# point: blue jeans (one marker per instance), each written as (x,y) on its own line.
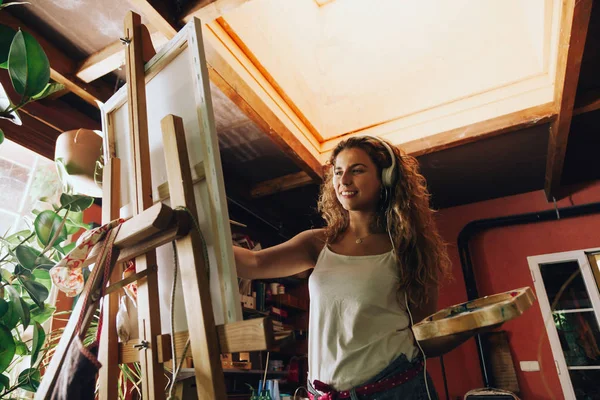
(414,389)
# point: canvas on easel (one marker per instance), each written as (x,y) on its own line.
(177,83)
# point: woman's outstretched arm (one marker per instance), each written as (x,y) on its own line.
(290,258)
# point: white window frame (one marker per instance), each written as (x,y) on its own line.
(590,283)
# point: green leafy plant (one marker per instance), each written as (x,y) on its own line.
(26,258)
(27,65)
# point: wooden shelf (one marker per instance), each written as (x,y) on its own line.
(254,311)
(287,300)
(186,373)
(252,371)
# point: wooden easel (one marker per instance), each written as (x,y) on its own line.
(152,226)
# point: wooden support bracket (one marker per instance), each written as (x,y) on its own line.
(251,335)
(154,227)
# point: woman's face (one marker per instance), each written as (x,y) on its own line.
(356,181)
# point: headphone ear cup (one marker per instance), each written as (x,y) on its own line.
(388,174)
(387,177)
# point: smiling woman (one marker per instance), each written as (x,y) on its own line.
(375,265)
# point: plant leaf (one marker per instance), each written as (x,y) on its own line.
(26,256)
(30,258)
(1,136)
(39,337)
(41,315)
(28,65)
(21,271)
(48,90)
(42,276)
(29,379)
(18,237)
(4,382)
(3,308)
(76,202)
(6,37)
(19,305)
(6,275)
(46,224)
(63,175)
(11,318)
(75,222)
(7,348)
(38,292)
(21,349)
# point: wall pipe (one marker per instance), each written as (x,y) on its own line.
(477,226)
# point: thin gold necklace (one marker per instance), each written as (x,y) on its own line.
(360,240)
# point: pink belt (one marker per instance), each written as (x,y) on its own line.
(379,386)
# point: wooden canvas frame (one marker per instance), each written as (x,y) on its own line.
(193,103)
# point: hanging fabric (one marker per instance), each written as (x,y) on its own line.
(77,376)
(67,275)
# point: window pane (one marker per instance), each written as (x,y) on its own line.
(585,384)
(7,222)
(13,181)
(579,337)
(44,183)
(575,295)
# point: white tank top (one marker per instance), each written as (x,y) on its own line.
(357,325)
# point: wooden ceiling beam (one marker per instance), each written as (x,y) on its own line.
(281,184)
(43,121)
(480,130)
(574,27)
(54,113)
(587,102)
(33,134)
(62,68)
(110,58)
(209,10)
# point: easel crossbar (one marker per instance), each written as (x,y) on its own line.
(152,228)
(251,335)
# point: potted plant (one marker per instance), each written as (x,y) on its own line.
(78,158)
(28,68)
(25,259)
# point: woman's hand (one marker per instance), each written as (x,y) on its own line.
(438,346)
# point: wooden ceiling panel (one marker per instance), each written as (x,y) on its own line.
(354,67)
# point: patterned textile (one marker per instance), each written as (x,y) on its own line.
(67,275)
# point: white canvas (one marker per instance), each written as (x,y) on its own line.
(179,85)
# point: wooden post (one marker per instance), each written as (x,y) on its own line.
(210,382)
(108,353)
(153,382)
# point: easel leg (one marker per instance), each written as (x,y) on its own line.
(153,382)
(210,382)
(109,342)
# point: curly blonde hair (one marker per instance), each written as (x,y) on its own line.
(403,211)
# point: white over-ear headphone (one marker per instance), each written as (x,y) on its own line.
(388,175)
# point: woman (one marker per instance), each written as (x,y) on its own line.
(379,253)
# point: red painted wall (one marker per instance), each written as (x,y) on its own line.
(500,262)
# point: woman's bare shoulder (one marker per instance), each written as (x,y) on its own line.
(314,240)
